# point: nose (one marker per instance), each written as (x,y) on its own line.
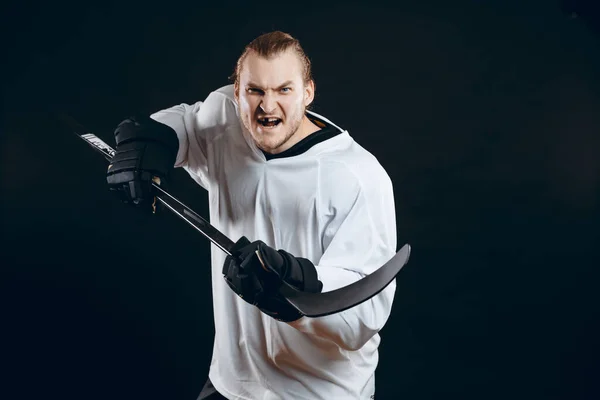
(268,103)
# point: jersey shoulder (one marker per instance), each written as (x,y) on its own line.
(352,180)
(217,114)
(352,163)
(220,102)
(227,92)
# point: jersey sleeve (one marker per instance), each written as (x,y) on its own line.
(358,238)
(196,126)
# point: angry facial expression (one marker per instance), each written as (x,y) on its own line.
(272,97)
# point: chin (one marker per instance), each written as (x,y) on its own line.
(269,138)
(272,144)
(272,140)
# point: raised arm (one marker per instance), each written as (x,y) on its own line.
(178,136)
(196,125)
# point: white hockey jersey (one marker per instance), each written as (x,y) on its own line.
(334,205)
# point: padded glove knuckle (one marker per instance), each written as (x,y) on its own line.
(145,149)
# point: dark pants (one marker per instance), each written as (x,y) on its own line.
(209,392)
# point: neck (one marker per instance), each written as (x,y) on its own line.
(307,127)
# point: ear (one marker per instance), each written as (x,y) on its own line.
(309,93)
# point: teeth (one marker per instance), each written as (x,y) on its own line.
(269,120)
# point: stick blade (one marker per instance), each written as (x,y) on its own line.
(327,303)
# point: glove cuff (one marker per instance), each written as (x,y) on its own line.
(300,273)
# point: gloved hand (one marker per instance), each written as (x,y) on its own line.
(145,151)
(257,284)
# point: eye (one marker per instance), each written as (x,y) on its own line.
(254,90)
(286,89)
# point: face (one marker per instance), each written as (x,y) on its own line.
(272,99)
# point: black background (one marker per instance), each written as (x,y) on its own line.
(486,115)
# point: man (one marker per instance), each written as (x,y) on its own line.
(311,206)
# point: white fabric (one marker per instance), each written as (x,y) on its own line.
(332,204)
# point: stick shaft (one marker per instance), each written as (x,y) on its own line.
(168,200)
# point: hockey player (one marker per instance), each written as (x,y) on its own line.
(312,208)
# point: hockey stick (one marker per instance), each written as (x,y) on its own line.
(308,304)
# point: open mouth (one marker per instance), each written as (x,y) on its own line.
(269,122)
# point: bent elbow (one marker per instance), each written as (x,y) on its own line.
(364,331)
(352,329)
(369,319)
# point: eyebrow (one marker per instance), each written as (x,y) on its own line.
(284,84)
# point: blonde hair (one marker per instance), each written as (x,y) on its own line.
(271,44)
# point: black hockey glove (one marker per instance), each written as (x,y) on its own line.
(258,284)
(146,150)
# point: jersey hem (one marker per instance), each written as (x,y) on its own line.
(230,396)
